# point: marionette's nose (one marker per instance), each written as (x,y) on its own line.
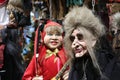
(53,36)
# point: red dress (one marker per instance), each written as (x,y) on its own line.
(47,67)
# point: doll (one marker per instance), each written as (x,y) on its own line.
(51,54)
(83,30)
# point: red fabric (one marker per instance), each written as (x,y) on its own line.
(2,2)
(47,67)
(35,48)
(1,55)
(114,0)
(51,23)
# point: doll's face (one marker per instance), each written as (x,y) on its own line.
(78,44)
(53,38)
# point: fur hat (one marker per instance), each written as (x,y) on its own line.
(81,17)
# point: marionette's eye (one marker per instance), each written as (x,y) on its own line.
(58,34)
(72,38)
(50,34)
(80,36)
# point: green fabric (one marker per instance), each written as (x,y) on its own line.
(74,2)
(78,2)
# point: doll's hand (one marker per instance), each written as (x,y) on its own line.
(38,78)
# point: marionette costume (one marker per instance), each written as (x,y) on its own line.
(84,68)
(48,63)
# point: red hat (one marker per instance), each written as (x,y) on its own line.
(49,23)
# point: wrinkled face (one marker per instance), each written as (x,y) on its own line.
(53,39)
(78,44)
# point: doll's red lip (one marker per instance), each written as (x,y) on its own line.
(54,43)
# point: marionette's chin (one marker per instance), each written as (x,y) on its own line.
(80,54)
(51,48)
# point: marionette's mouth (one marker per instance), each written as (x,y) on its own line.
(78,50)
(54,42)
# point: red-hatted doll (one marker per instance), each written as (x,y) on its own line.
(51,54)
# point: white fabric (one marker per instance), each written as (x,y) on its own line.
(4,17)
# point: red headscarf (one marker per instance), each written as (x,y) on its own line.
(42,48)
(49,23)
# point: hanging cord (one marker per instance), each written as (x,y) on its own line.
(36,46)
(37,43)
(93,6)
(50,9)
(35,51)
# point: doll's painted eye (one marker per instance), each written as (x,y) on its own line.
(58,34)
(50,34)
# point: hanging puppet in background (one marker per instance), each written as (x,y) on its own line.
(40,9)
(4,16)
(82,44)
(115,31)
(13,65)
(114,16)
(19,12)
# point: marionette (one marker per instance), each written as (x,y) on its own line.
(19,12)
(82,32)
(115,31)
(51,55)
